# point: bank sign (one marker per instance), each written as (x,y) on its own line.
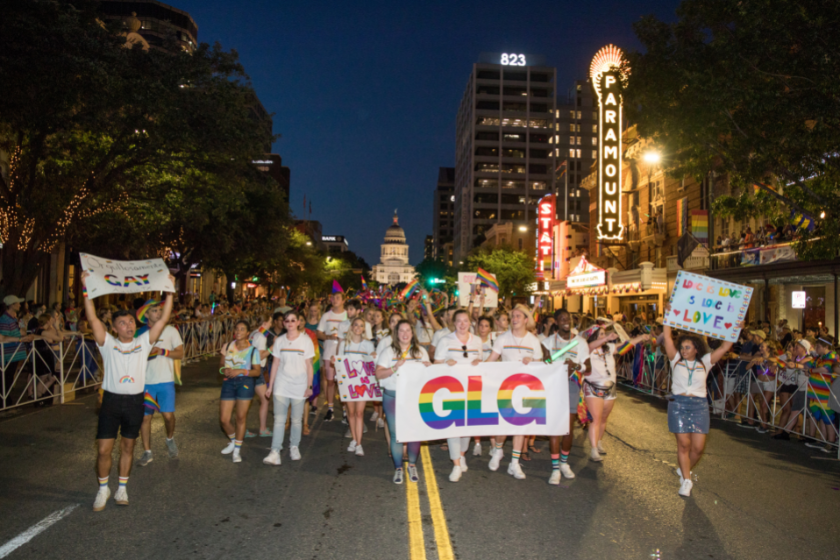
(606,77)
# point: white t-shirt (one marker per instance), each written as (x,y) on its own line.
(387,359)
(125,364)
(291,379)
(260,342)
(578,355)
(345,326)
(689,378)
(438,336)
(603,366)
(450,348)
(160,369)
(513,349)
(330,324)
(383,344)
(487,346)
(360,350)
(424,333)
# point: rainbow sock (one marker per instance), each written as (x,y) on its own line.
(232,437)
(237,445)
(103,483)
(515,456)
(499,446)
(564,456)
(555,461)
(123,481)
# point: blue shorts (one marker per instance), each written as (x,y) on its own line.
(259,380)
(239,388)
(163,394)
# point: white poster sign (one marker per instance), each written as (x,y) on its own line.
(708,306)
(499,398)
(797,300)
(356,380)
(467,285)
(124,277)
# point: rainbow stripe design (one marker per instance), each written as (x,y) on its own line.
(409,290)
(682,216)
(700,225)
(474,415)
(536,402)
(364,284)
(625,349)
(316,366)
(141,313)
(150,403)
(455,403)
(487,279)
(126,379)
(134,350)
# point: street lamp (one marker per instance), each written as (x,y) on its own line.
(652,157)
(822,215)
(523,228)
(308,243)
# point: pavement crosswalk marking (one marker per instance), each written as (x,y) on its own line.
(444,545)
(33,531)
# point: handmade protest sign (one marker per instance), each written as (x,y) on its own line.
(124,277)
(499,398)
(708,306)
(469,286)
(356,380)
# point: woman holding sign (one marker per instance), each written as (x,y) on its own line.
(688,409)
(404,349)
(459,347)
(355,347)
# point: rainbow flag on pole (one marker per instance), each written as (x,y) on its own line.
(316,366)
(487,279)
(700,225)
(409,290)
(364,284)
(150,403)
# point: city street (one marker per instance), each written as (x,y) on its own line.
(754,497)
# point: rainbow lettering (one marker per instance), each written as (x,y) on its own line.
(455,403)
(475,417)
(536,402)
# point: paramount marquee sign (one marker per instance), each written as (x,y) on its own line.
(606,76)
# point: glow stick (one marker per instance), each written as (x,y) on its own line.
(565,349)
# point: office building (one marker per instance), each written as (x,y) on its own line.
(153,24)
(336,243)
(444,215)
(505,156)
(272,165)
(577,147)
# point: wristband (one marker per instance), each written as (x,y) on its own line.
(262,330)
(84,292)
(165,353)
(222,371)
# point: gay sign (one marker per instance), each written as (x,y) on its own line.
(708,306)
(125,277)
(501,398)
(356,381)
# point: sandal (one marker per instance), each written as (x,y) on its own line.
(534,449)
(250,434)
(444,447)
(525,456)
(266,433)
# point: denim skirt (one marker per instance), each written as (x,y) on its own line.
(688,415)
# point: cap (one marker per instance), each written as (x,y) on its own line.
(804,344)
(760,334)
(141,312)
(660,321)
(11,300)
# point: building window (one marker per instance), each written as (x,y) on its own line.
(594,141)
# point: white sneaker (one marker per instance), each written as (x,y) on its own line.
(495,458)
(364,428)
(477,449)
(595,456)
(359,451)
(464,467)
(273,458)
(554,478)
(121,497)
(294,453)
(515,470)
(679,474)
(101,499)
(348,433)
(455,475)
(380,423)
(567,471)
(374,417)
(685,488)
(229,449)
(237,458)
(398,476)
(352,447)
(601,449)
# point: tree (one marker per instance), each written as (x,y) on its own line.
(748,89)
(430,269)
(514,270)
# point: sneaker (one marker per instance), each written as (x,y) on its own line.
(412,473)
(313,410)
(685,488)
(121,497)
(364,428)
(464,467)
(595,456)
(813,445)
(348,433)
(567,471)
(273,458)
(359,451)
(745,426)
(827,448)
(294,453)
(398,476)
(455,475)
(760,430)
(515,470)
(554,478)
(237,457)
(601,449)
(101,499)
(250,434)
(146,458)
(374,417)
(495,458)
(783,436)
(679,474)
(229,449)
(352,447)
(380,423)
(477,449)
(171,447)
(329,416)
(344,420)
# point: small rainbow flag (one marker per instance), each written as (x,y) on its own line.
(316,366)
(625,348)
(337,287)
(150,403)
(409,290)
(700,225)
(364,284)
(487,279)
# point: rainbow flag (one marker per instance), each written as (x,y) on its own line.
(682,216)
(316,367)
(337,287)
(487,279)
(364,284)
(150,403)
(700,225)
(409,290)
(625,348)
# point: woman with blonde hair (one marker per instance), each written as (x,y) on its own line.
(356,347)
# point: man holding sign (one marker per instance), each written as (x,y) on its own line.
(124,359)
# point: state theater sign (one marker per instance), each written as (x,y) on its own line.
(607,74)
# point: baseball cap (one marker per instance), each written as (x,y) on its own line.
(11,300)
(760,334)
(804,344)
(660,321)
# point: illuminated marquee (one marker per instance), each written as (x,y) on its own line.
(546,218)
(606,76)
(587,279)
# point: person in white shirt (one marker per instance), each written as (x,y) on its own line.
(404,349)
(388,339)
(124,361)
(353,308)
(459,347)
(688,409)
(355,347)
(487,337)
(328,331)
(259,339)
(502,320)
(446,323)
(290,384)
(515,345)
(419,313)
(379,330)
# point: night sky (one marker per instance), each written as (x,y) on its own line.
(365,94)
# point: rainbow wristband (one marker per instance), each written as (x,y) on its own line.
(262,330)
(84,292)
(165,353)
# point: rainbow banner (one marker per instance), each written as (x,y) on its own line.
(409,290)
(682,216)
(700,225)
(499,398)
(486,279)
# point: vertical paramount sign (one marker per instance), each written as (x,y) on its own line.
(606,75)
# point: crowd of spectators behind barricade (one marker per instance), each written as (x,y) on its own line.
(748,239)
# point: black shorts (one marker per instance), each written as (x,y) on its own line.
(788,388)
(121,414)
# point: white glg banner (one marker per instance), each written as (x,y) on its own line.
(356,380)
(500,398)
(124,277)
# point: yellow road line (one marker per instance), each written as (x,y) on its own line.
(444,546)
(416,545)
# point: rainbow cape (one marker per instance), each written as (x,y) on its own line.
(487,279)
(150,403)
(409,290)
(316,367)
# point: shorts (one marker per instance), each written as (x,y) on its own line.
(328,369)
(163,394)
(792,388)
(742,383)
(238,389)
(688,415)
(728,385)
(259,380)
(574,397)
(120,414)
(820,413)
(797,401)
(767,386)
(593,391)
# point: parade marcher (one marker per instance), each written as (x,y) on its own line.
(160,381)
(259,339)
(380,331)
(241,366)
(459,347)
(328,331)
(313,318)
(404,349)
(353,308)
(487,337)
(124,360)
(356,348)
(290,384)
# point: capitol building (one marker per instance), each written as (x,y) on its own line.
(393,267)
